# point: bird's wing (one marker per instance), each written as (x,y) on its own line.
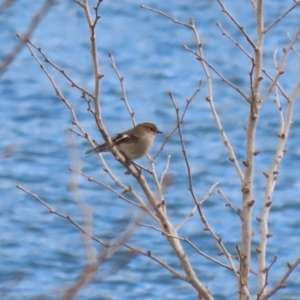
(124,138)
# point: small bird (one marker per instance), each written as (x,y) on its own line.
(133,143)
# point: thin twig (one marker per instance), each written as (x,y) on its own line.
(78,133)
(234,41)
(195,207)
(277,84)
(281,282)
(79,126)
(281,17)
(129,189)
(253,6)
(191,189)
(229,204)
(240,27)
(270,186)
(280,67)
(187,103)
(277,101)
(106,245)
(66,217)
(266,280)
(167,16)
(188,167)
(62,71)
(190,243)
(164,173)
(223,78)
(121,80)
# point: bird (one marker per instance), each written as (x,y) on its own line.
(133,143)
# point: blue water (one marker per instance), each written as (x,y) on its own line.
(42,254)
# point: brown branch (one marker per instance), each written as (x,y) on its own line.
(273,172)
(253,6)
(183,149)
(280,66)
(224,79)
(240,27)
(104,244)
(121,80)
(191,189)
(247,184)
(210,97)
(277,84)
(189,243)
(167,137)
(167,16)
(230,205)
(281,282)
(234,41)
(128,189)
(270,186)
(195,207)
(267,270)
(281,17)
(66,217)
(77,123)
(62,71)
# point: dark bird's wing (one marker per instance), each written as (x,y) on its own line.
(117,139)
(124,138)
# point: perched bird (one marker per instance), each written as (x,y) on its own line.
(133,143)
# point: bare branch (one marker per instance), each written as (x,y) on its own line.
(281,17)
(277,85)
(281,282)
(280,67)
(232,157)
(271,182)
(66,217)
(190,243)
(277,101)
(240,27)
(188,101)
(253,4)
(62,71)
(202,217)
(195,207)
(167,16)
(218,73)
(190,188)
(109,245)
(234,42)
(121,80)
(229,204)
(129,189)
(266,280)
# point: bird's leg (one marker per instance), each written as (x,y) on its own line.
(136,167)
(129,162)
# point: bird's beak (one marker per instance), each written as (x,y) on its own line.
(158,131)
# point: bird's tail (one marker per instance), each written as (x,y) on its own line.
(100,148)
